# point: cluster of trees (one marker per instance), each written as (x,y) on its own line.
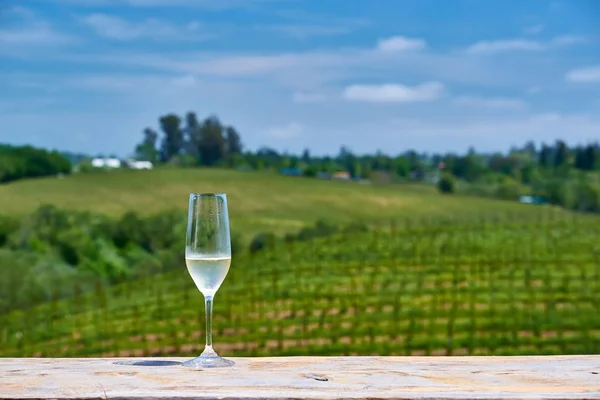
(52,251)
(563,175)
(190,141)
(18,162)
(524,164)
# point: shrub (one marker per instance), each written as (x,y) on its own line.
(509,190)
(237,243)
(7,226)
(447,184)
(587,197)
(262,241)
(18,162)
(320,229)
(310,172)
(355,227)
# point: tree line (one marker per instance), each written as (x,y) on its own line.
(18,162)
(189,141)
(563,175)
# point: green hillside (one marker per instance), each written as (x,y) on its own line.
(257,201)
(512,284)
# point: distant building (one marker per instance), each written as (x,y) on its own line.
(106,163)
(291,171)
(379,176)
(341,175)
(134,164)
(532,200)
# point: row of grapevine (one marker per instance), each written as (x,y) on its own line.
(511,285)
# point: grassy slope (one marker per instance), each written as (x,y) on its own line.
(520,286)
(257,201)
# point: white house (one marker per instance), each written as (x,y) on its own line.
(134,164)
(106,163)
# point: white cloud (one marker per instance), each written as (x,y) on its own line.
(20,12)
(303,25)
(393,93)
(400,43)
(490,133)
(500,46)
(497,46)
(246,65)
(490,102)
(204,4)
(117,28)
(193,26)
(567,40)
(533,29)
(36,36)
(301,97)
(311,70)
(289,131)
(185,81)
(585,75)
(30,31)
(303,31)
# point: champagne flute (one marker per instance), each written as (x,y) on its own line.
(208,257)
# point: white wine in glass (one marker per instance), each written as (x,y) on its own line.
(208,257)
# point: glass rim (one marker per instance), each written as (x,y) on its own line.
(208,194)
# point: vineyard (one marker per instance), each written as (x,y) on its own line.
(507,284)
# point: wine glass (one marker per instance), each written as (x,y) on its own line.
(208,257)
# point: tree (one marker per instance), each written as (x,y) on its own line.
(529,174)
(509,189)
(466,167)
(212,142)
(587,197)
(193,136)
(591,157)
(401,166)
(530,149)
(28,162)
(447,184)
(581,161)
(146,151)
(545,156)
(306,156)
(561,158)
(172,142)
(234,143)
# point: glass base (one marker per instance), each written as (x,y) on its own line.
(208,359)
(202,362)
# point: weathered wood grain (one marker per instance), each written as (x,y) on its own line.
(540,377)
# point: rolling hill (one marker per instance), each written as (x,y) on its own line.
(257,201)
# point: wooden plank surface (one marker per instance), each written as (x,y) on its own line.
(539,377)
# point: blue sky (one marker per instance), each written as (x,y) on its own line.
(89,75)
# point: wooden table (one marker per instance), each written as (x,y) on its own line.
(539,377)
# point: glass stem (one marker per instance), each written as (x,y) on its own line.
(208,350)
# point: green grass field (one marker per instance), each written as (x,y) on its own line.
(257,201)
(514,284)
(435,274)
